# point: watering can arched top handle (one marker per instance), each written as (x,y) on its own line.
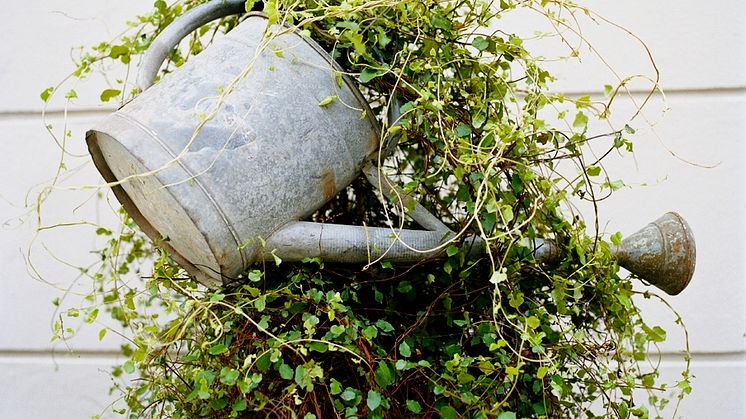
(177,30)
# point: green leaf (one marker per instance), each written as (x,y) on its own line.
(414,406)
(593,170)
(228,376)
(480,43)
(581,120)
(46,93)
(337,330)
(286,371)
(239,405)
(327,101)
(624,299)
(120,51)
(321,347)
(452,250)
(506,415)
(276,258)
(656,334)
(348,394)
(384,326)
(498,277)
(249,6)
(506,212)
(378,296)
(374,400)
(129,366)
(270,9)
(448,412)
(335,387)
(404,349)
(301,376)
(463,130)
(369,74)
(583,102)
(260,303)
(370,332)
(464,378)
(404,287)
(383,375)
(614,185)
(217,349)
(440,22)
(109,94)
(512,371)
(477,121)
(255,275)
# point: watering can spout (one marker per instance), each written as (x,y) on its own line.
(662,253)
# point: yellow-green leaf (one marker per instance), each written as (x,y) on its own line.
(109,94)
(327,101)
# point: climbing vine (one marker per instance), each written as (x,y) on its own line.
(486,145)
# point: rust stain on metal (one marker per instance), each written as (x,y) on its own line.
(663,253)
(328,184)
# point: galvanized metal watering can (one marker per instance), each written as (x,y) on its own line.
(220,159)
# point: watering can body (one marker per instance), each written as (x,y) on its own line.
(234,145)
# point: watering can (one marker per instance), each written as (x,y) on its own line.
(220,160)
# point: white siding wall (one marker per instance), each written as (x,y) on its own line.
(699,47)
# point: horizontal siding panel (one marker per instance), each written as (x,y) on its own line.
(42,35)
(28,160)
(695,47)
(48,388)
(693,161)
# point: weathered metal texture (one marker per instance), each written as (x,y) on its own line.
(353,244)
(270,156)
(662,253)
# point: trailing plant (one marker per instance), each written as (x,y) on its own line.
(488,147)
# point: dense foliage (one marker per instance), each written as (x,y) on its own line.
(488,148)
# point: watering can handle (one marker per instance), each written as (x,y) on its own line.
(176,31)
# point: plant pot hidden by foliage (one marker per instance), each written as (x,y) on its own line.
(219,161)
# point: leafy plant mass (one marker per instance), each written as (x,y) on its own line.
(488,148)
